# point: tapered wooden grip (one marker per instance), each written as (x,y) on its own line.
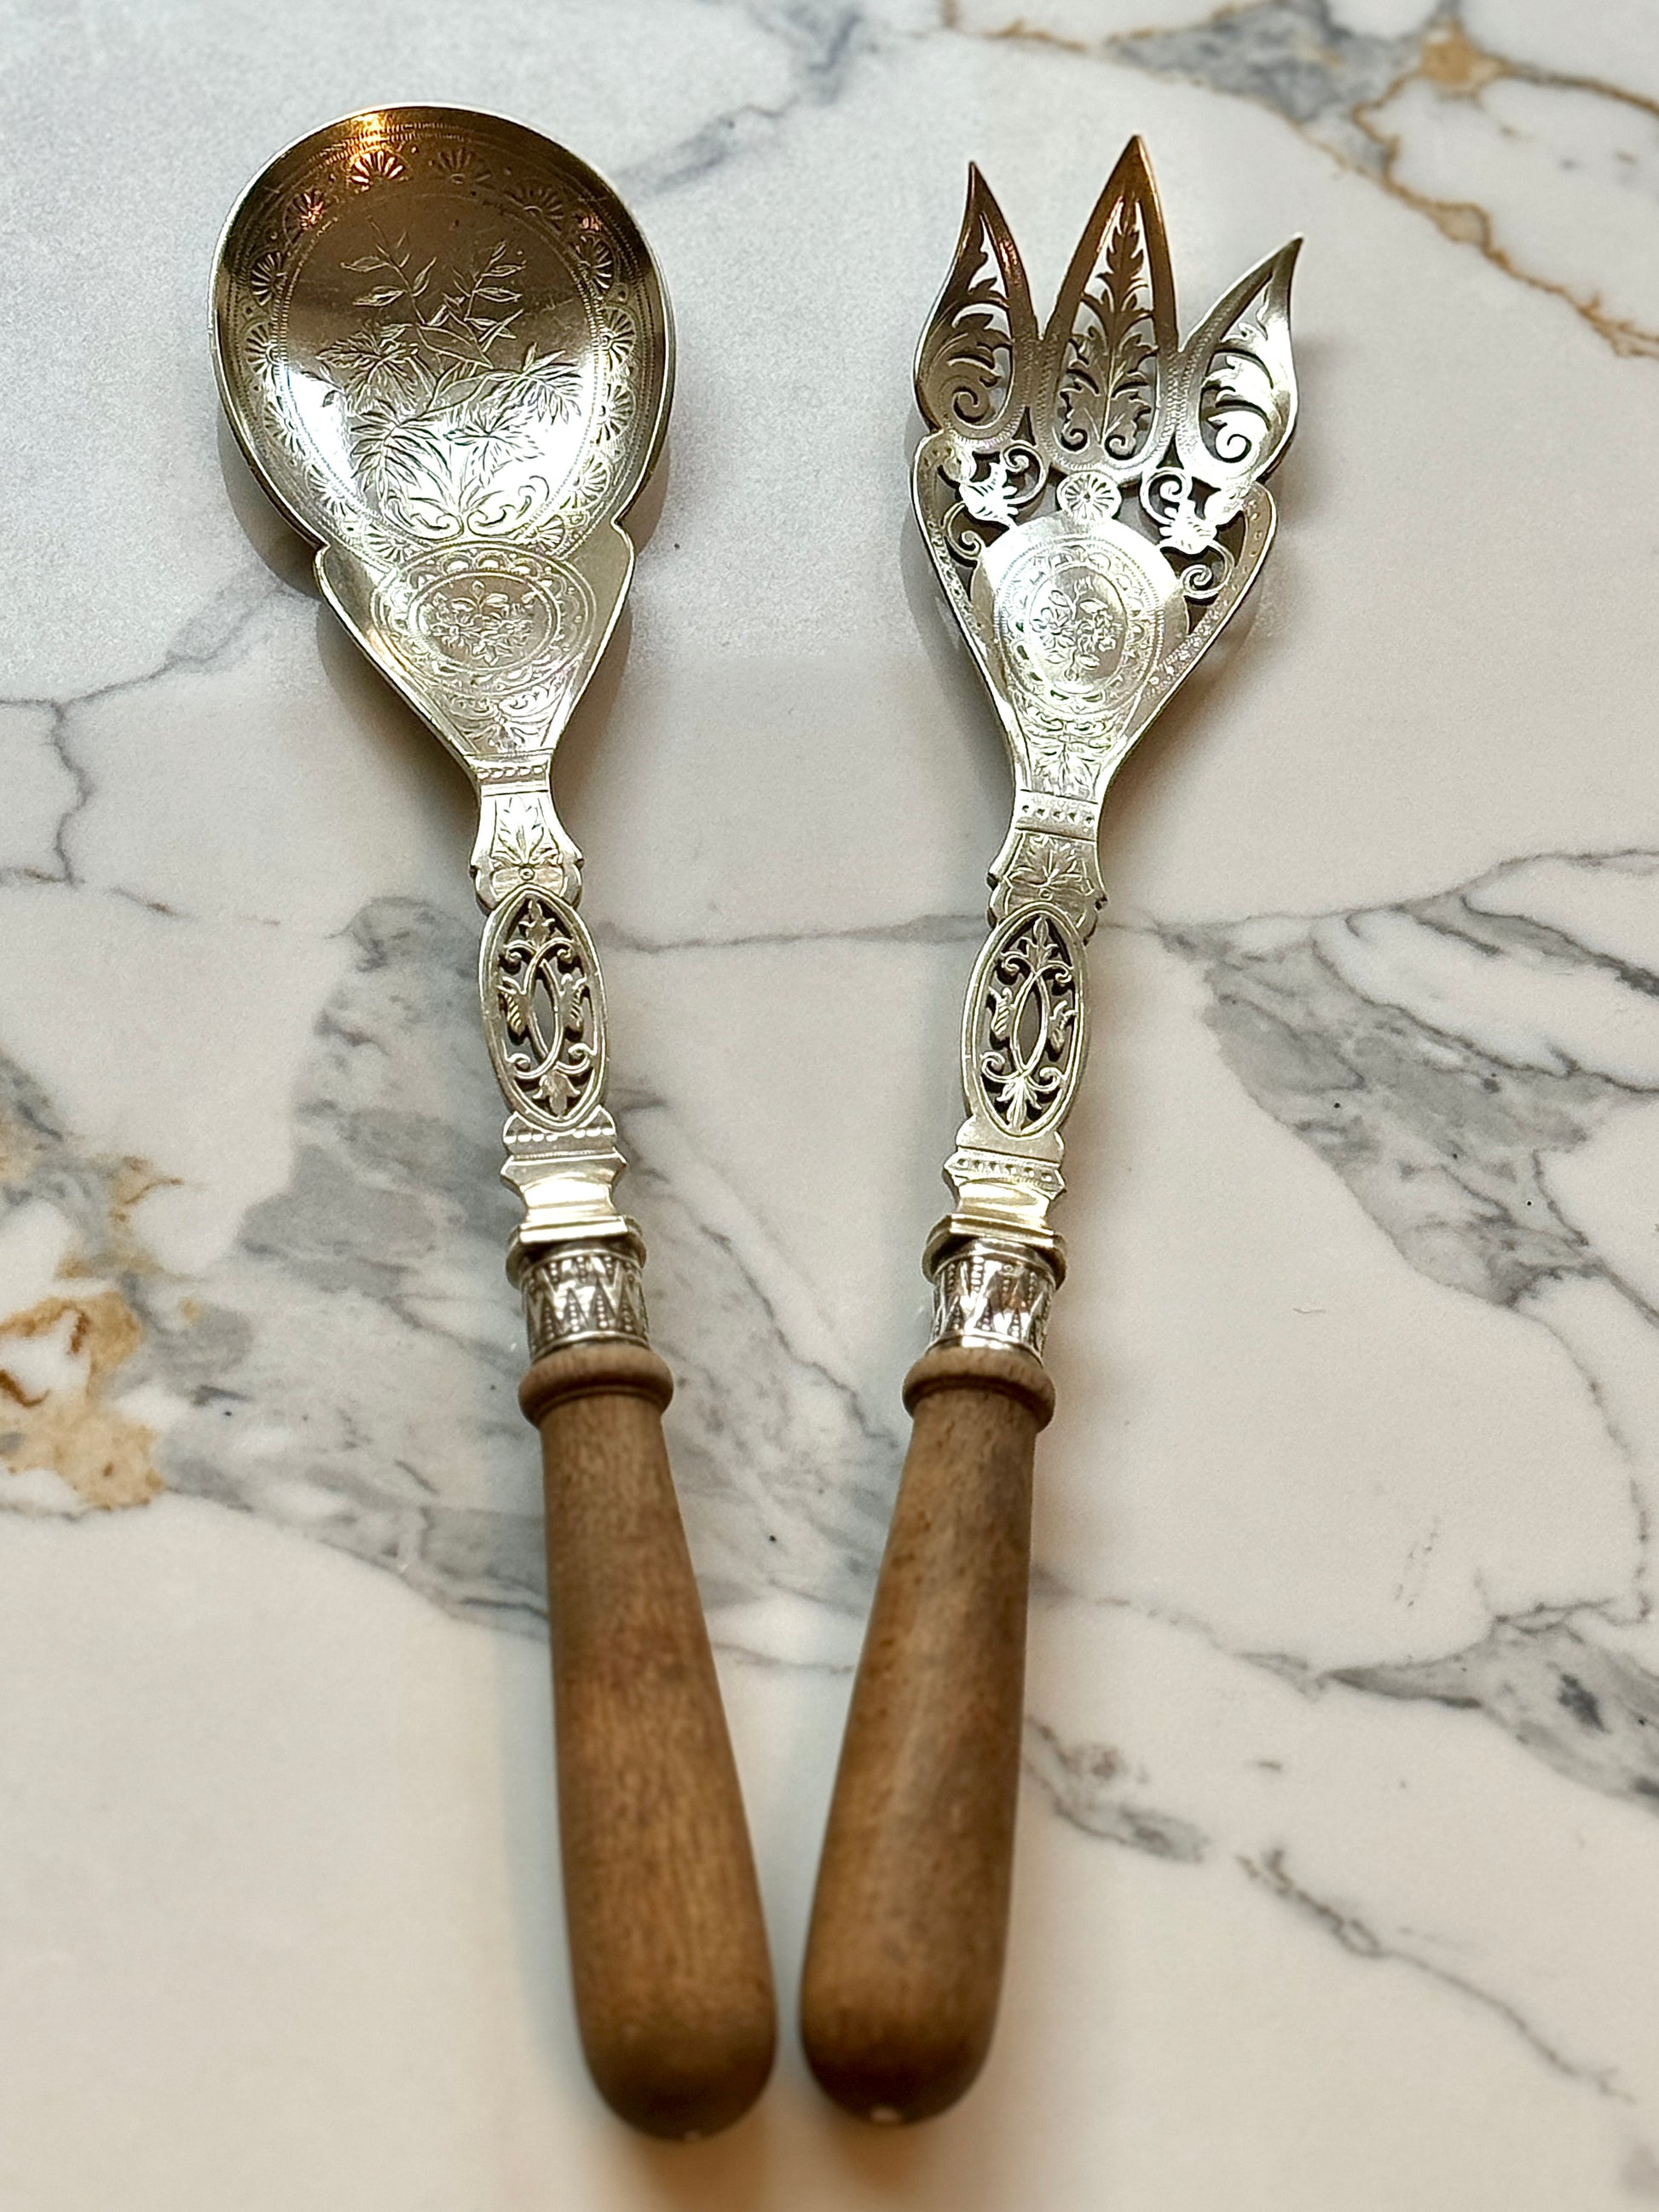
(673,1984)
(910,1920)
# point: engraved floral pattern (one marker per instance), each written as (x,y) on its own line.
(265,278)
(457,165)
(591,252)
(1089,496)
(1111,343)
(480,619)
(524,848)
(1066,766)
(305,211)
(617,333)
(1104,398)
(442,400)
(1078,626)
(493,635)
(375,165)
(1055,867)
(483,385)
(455,356)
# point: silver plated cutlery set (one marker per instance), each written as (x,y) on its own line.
(447,355)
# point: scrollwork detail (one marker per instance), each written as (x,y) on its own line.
(977,353)
(1023,1051)
(544,1010)
(1108,352)
(1237,406)
(999,487)
(1092,503)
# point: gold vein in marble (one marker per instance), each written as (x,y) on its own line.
(1364,133)
(59,1357)
(1451,63)
(69,1429)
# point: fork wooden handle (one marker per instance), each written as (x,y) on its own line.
(673,1983)
(910,1920)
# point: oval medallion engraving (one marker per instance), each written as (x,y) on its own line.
(1074,627)
(486,619)
(491,633)
(1077,624)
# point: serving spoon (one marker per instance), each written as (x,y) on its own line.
(447,353)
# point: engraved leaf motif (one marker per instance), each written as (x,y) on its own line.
(526,847)
(1109,350)
(553,378)
(1049,864)
(377,366)
(518,994)
(978,352)
(438,406)
(1237,402)
(1065,766)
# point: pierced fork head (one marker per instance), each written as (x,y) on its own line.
(1092,496)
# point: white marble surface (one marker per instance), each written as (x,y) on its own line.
(1336,1885)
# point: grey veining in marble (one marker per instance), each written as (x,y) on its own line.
(1087,1785)
(1296,57)
(1591,1714)
(1349,1927)
(1457,111)
(349,1369)
(1441,1123)
(1336,1875)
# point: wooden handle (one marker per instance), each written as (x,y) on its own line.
(673,1984)
(910,1920)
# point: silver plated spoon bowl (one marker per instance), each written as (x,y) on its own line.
(447,353)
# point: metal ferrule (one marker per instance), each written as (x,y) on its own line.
(580,1294)
(987,1292)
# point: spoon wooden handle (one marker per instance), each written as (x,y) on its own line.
(673,1983)
(910,1921)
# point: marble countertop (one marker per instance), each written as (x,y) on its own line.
(1335,1884)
